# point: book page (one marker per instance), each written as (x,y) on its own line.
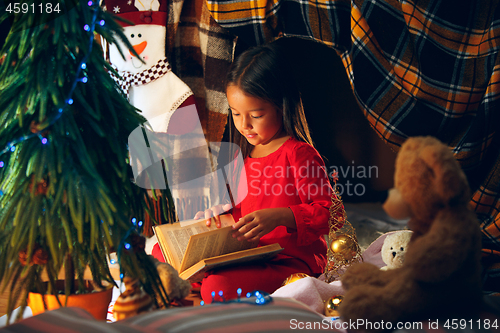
(225,220)
(211,244)
(173,238)
(196,272)
(170,239)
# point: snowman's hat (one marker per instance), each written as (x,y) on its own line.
(139,11)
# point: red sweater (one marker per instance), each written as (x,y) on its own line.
(293,176)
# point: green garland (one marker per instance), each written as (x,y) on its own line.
(66,197)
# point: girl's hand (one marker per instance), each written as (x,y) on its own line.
(214,212)
(259,223)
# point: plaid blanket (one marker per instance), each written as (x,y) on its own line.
(416,68)
(199,50)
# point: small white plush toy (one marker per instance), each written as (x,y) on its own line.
(394,249)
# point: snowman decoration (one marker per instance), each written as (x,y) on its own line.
(148,81)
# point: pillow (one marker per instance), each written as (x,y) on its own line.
(68,320)
(282,314)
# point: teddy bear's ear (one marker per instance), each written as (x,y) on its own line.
(449,182)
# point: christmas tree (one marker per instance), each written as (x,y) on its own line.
(67,199)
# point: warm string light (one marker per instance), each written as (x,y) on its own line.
(68,101)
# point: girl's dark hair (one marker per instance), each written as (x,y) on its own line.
(265,73)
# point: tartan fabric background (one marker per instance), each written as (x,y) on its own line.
(200,52)
(416,68)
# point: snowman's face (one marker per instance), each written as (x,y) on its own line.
(148,41)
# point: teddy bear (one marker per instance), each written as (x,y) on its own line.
(394,249)
(440,277)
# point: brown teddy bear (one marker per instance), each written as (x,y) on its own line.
(440,277)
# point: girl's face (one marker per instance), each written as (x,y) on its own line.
(257,120)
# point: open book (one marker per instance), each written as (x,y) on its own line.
(193,248)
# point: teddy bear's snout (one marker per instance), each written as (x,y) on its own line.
(394,254)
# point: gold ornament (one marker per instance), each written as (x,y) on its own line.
(294,277)
(332,305)
(343,246)
(342,243)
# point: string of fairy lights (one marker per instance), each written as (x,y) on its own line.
(80,77)
(11,146)
(255,297)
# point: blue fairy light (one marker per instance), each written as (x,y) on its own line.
(112,261)
(44,140)
(2,164)
(140,223)
(255,297)
(134,220)
(202,303)
(127,246)
(87,27)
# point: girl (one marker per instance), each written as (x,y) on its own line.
(289,193)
